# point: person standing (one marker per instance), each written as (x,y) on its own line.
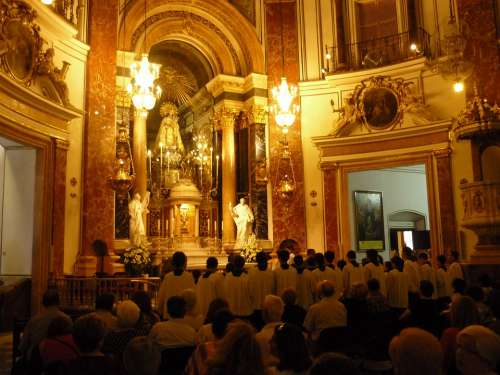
(397,286)
(238,290)
(352,272)
(455,269)
(285,276)
(374,270)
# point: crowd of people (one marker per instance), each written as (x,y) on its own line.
(305,315)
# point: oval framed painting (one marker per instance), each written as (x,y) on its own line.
(20,59)
(380,108)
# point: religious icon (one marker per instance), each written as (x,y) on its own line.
(369,220)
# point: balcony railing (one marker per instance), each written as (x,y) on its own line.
(377,52)
(74,12)
(81,292)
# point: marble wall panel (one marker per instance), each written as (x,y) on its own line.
(446,204)
(289,215)
(331,208)
(58,209)
(477,18)
(99,141)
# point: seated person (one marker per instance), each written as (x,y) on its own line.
(334,364)
(128,314)
(328,312)
(104,309)
(174,333)
(272,311)
(141,357)
(88,333)
(37,327)
(59,345)
(290,347)
(293,313)
(424,312)
(375,300)
(205,332)
(148,317)
(192,316)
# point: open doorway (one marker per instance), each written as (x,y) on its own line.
(17,208)
(389,208)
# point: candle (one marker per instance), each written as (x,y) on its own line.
(168,163)
(149,162)
(161,165)
(217,172)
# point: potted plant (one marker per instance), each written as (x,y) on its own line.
(136,260)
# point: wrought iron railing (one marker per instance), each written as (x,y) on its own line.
(377,52)
(81,292)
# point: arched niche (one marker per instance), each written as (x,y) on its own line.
(490,158)
(402,218)
(215,28)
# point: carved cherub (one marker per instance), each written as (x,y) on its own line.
(348,116)
(57,76)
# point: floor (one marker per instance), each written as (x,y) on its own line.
(5,352)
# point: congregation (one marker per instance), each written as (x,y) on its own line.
(303,315)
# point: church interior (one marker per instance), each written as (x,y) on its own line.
(225,127)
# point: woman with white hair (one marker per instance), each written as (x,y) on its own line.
(128,314)
(478,351)
(192,318)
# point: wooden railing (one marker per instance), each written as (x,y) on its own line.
(377,52)
(81,292)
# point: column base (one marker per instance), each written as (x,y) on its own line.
(86,265)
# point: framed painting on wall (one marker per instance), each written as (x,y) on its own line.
(369,220)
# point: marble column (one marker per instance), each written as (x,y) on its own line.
(100,132)
(139,152)
(227,119)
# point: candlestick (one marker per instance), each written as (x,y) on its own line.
(161,165)
(217,172)
(149,165)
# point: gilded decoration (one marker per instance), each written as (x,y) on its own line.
(381,103)
(22,56)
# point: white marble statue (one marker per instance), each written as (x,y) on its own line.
(243,218)
(137,209)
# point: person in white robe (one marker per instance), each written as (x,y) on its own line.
(306,283)
(211,285)
(455,269)
(352,272)
(238,289)
(443,286)
(425,271)
(261,281)
(411,269)
(174,282)
(397,285)
(374,270)
(285,276)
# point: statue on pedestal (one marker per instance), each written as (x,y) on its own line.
(137,229)
(169,134)
(243,218)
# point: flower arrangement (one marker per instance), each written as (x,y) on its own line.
(136,260)
(250,250)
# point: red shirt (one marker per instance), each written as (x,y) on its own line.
(58,349)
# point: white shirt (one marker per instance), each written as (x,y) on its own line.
(426,272)
(306,285)
(285,279)
(238,294)
(208,289)
(261,284)
(372,271)
(397,289)
(410,268)
(174,333)
(325,314)
(264,338)
(173,286)
(352,275)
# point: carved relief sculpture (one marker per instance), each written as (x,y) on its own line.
(57,76)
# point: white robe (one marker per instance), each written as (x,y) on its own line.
(173,286)
(427,273)
(238,294)
(372,271)
(455,272)
(285,279)
(306,287)
(397,289)
(411,269)
(208,289)
(261,284)
(352,275)
(443,286)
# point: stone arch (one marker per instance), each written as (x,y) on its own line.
(224,36)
